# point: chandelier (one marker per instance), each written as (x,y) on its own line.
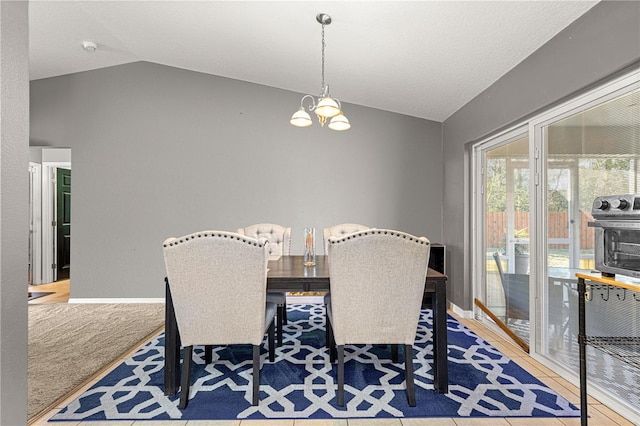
(324,106)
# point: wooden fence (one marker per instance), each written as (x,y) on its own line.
(557,227)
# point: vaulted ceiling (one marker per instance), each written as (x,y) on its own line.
(420,58)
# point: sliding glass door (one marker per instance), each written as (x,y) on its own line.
(588,151)
(504,218)
(534,186)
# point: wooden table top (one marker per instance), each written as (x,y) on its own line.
(292,268)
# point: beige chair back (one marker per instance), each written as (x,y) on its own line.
(377,282)
(279,237)
(218,283)
(339,231)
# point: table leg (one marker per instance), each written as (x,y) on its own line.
(435,343)
(583,351)
(441,373)
(171,346)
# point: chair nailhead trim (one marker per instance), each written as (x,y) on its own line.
(376,231)
(212,234)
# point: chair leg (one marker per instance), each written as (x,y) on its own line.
(408,375)
(284,316)
(341,376)
(394,354)
(256,374)
(208,354)
(280,314)
(186,377)
(327,337)
(272,341)
(331,343)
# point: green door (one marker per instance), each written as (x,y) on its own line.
(63,256)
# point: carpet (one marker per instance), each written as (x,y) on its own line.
(300,384)
(69,343)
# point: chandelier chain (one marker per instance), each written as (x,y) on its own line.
(323,46)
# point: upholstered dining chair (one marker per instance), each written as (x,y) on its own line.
(217,282)
(377,281)
(339,230)
(279,238)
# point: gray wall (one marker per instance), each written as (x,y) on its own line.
(603,41)
(159,151)
(14,207)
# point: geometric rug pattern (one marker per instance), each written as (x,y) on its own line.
(302,382)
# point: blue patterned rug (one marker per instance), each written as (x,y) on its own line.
(301,383)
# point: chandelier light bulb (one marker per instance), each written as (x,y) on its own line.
(301,118)
(327,108)
(339,123)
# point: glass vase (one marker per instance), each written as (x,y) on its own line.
(309,247)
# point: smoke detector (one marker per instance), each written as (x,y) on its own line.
(89,46)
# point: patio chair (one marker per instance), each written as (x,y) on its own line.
(516,292)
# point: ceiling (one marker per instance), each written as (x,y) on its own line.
(420,58)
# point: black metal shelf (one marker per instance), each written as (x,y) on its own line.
(626,349)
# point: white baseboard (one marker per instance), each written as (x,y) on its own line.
(116,300)
(461,312)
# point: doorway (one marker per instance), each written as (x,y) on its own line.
(50,215)
(63,223)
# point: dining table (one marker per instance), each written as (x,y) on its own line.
(289,274)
